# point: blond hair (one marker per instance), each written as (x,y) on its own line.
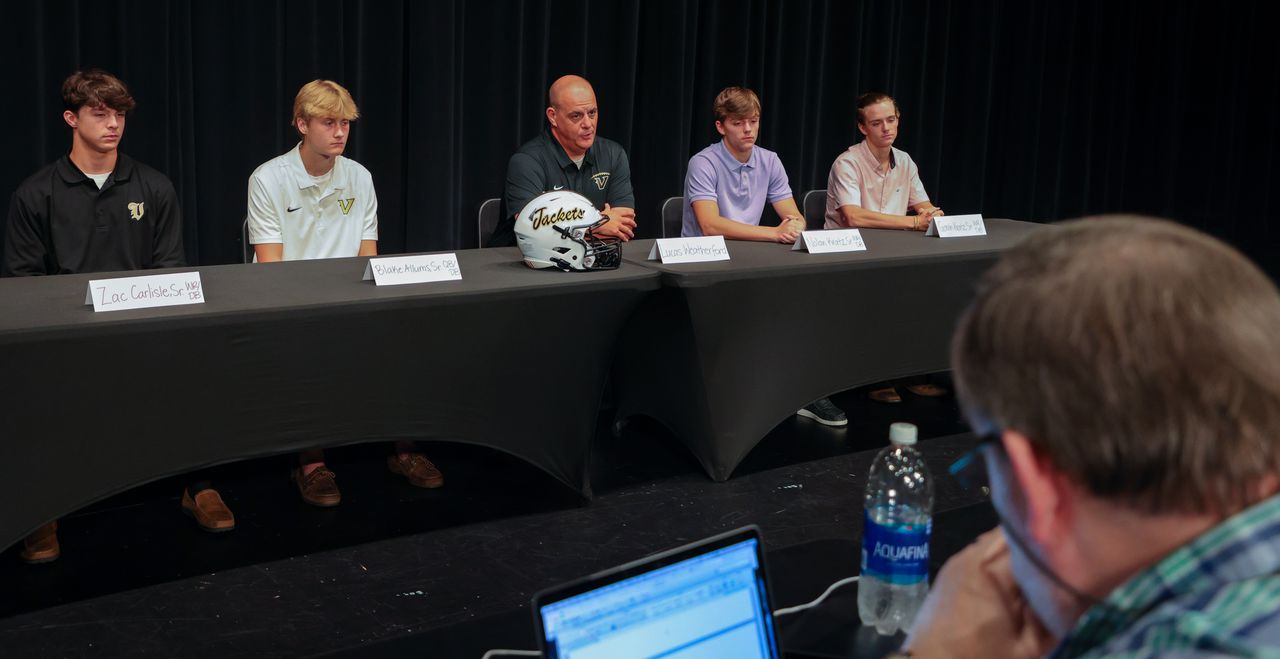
(324,98)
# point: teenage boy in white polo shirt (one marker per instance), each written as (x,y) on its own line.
(872,186)
(312,203)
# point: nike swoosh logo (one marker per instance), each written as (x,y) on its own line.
(556,188)
(293,209)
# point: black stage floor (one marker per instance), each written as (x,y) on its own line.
(137,578)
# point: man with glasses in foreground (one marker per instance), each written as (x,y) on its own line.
(1125,376)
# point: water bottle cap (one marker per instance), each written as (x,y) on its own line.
(902,434)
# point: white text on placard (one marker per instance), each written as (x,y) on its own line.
(956,226)
(696,249)
(416,269)
(832,240)
(145,291)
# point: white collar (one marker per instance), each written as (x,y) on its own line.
(304,178)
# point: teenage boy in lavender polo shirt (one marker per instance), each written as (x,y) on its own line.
(729,182)
(872,186)
(726,188)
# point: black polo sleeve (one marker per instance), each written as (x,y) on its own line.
(525,180)
(25,247)
(620,192)
(166,251)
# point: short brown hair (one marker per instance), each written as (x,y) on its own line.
(871,98)
(94,88)
(1141,357)
(324,98)
(737,102)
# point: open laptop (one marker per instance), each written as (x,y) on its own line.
(705,599)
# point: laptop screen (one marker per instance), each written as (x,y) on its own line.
(712,601)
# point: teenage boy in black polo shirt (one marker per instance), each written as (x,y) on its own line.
(567,155)
(97,210)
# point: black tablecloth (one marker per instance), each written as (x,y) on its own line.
(728,349)
(289,356)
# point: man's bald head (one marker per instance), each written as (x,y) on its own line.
(569,88)
(572,114)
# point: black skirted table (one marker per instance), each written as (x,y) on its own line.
(728,349)
(297,355)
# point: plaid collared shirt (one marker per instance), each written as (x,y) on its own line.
(1218,595)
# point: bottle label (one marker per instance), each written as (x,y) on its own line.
(897,555)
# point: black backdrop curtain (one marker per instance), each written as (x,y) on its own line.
(1027,110)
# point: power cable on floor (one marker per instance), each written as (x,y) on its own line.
(809,605)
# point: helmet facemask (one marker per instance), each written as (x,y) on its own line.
(598,252)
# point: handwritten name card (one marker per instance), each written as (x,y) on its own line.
(955,226)
(697,249)
(145,291)
(833,240)
(417,269)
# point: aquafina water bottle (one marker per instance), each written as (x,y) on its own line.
(896,527)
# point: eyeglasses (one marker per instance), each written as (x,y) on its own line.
(970,471)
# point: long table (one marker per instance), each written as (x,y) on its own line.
(289,356)
(728,349)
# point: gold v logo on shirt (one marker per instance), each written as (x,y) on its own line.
(345,204)
(136,210)
(601,179)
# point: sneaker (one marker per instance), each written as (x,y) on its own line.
(42,545)
(825,412)
(318,488)
(885,395)
(208,510)
(417,469)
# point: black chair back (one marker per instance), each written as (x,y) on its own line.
(487,219)
(672,217)
(815,209)
(245,247)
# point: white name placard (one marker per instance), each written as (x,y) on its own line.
(416,269)
(696,249)
(955,226)
(833,240)
(145,291)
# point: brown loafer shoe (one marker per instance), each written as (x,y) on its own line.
(886,395)
(417,468)
(208,510)
(927,390)
(318,488)
(42,545)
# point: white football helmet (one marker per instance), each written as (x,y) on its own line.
(556,230)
